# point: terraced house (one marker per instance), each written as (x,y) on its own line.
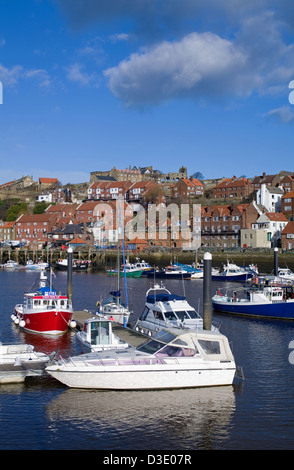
(34,227)
(233,188)
(221,224)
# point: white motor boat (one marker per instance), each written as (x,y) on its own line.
(165,310)
(285,273)
(97,335)
(39,266)
(11,265)
(18,361)
(232,272)
(172,359)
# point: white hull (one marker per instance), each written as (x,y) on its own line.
(141,378)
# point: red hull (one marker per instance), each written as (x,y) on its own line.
(47,322)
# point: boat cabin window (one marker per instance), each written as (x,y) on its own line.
(182,314)
(145,313)
(100,333)
(170,315)
(172,351)
(209,347)
(158,315)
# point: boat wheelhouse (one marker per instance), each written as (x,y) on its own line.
(97,335)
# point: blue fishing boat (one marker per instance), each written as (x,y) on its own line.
(270,301)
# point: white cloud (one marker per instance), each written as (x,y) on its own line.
(198,65)
(75,73)
(10,77)
(283,114)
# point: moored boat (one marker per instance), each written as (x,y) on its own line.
(129,270)
(97,335)
(44,311)
(196,273)
(10,265)
(286,273)
(18,361)
(114,309)
(232,272)
(77,264)
(270,301)
(172,359)
(166,310)
(39,266)
(170,272)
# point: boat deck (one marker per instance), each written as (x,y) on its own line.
(133,338)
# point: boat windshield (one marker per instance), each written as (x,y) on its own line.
(151,347)
(183,314)
(162,338)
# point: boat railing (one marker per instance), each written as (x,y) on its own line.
(113,361)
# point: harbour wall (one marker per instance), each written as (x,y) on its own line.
(102,259)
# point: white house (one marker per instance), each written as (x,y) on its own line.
(274,223)
(270,197)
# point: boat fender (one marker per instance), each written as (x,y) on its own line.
(16,321)
(73,324)
(13,317)
(22,323)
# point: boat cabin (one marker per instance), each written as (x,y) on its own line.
(166,309)
(98,332)
(46,301)
(171,343)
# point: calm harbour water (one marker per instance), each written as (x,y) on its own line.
(45,415)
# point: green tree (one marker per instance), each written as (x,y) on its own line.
(40,207)
(15,210)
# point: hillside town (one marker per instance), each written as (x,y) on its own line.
(234,213)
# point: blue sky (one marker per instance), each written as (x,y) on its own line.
(92,84)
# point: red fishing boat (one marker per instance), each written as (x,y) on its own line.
(44,311)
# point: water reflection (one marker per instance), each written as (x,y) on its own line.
(171,419)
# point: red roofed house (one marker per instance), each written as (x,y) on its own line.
(34,227)
(274,223)
(7,231)
(47,182)
(233,187)
(221,224)
(187,188)
(288,236)
(105,190)
(140,190)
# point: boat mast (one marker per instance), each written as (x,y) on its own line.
(123,250)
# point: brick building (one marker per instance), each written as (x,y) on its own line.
(233,188)
(187,188)
(107,190)
(288,236)
(287,205)
(221,224)
(287,183)
(31,228)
